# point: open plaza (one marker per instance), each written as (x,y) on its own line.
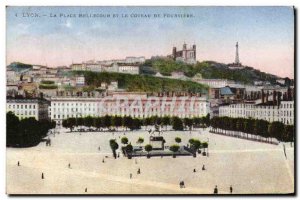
(74,164)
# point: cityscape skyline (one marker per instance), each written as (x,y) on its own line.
(263,33)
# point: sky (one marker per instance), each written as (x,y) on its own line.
(35,35)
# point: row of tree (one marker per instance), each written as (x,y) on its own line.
(135,123)
(26,132)
(255,128)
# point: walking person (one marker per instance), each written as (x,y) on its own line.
(85,190)
(130,175)
(139,171)
(203,167)
(69,165)
(194,170)
(216,190)
(231,189)
(18,163)
(42,175)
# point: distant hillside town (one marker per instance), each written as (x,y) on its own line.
(84,89)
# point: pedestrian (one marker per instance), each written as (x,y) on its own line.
(42,175)
(99,148)
(130,175)
(203,167)
(183,184)
(103,160)
(194,170)
(231,189)
(85,190)
(69,165)
(139,171)
(18,163)
(216,190)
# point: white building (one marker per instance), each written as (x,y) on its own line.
(129,69)
(128,104)
(11,76)
(284,113)
(215,83)
(94,67)
(25,108)
(78,67)
(132,60)
(80,80)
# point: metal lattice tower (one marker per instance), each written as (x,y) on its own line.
(237,60)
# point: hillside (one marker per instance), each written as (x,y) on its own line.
(208,70)
(17,66)
(141,83)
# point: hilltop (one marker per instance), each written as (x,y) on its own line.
(207,69)
(141,83)
(18,66)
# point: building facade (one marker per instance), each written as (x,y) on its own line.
(283,113)
(25,108)
(137,105)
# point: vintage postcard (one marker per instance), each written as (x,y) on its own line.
(150,100)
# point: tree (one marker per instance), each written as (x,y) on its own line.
(204,145)
(195,144)
(197,121)
(177,124)
(69,123)
(12,129)
(249,125)
(127,122)
(174,148)
(166,121)
(148,148)
(239,125)
(188,123)
(117,121)
(129,148)
(191,141)
(97,122)
(178,140)
(26,132)
(140,140)
(88,121)
(147,121)
(79,121)
(136,124)
(288,133)
(114,146)
(206,120)
(107,121)
(276,130)
(124,140)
